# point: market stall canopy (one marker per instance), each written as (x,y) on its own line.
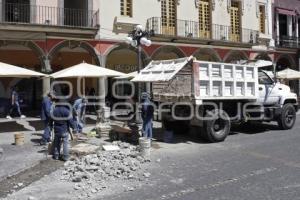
(7,70)
(128,76)
(288,74)
(161,71)
(86,70)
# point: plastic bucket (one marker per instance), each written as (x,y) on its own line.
(145,145)
(19,139)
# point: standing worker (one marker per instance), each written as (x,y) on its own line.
(15,105)
(79,108)
(62,118)
(147,115)
(46,117)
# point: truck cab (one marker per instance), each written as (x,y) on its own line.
(272,92)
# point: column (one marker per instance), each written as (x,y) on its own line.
(33,11)
(2,11)
(297,29)
(290,25)
(46,68)
(46,85)
(277,28)
(270,22)
(101,91)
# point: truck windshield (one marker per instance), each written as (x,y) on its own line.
(264,79)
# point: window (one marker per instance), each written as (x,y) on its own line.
(264,79)
(126,8)
(235,21)
(168,16)
(262,18)
(204,19)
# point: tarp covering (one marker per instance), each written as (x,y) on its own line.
(161,71)
(128,76)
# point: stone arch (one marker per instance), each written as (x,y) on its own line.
(40,54)
(263,56)
(75,44)
(206,54)
(122,49)
(234,56)
(119,46)
(284,61)
(168,52)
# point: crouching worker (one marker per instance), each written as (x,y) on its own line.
(62,118)
(79,108)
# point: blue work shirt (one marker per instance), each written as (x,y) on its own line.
(147,110)
(79,107)
(46,107)
(62,119)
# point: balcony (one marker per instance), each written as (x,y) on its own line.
(288,42)
(25,17)
(191,29)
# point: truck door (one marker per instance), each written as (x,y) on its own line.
(268,90)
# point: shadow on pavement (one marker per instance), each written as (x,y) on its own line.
(253,128)
(11,126)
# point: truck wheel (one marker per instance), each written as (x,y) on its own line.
(287,118)
(217,126)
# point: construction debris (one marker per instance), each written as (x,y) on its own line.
(111,147)
(84,149)
(91,173)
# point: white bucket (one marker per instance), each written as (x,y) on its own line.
(145,145)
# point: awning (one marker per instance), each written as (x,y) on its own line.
(161,71)
(285,11)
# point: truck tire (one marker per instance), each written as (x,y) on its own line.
(217,127)
(287,118)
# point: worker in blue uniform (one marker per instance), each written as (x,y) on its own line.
(46,118)
(79,108)
(147,115)
(62,118)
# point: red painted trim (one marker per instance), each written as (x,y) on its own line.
(188,51)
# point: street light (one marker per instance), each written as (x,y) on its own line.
(137,38)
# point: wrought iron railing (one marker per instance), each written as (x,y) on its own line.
(191,29)
(288,42)
(52,16)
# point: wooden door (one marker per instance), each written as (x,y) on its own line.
(235,22)
(168,13)
(204,19)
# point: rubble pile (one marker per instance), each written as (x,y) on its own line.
(91,173)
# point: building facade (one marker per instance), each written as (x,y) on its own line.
(48,35)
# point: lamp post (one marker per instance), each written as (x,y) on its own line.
(136,39)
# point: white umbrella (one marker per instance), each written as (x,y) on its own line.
(128,76)
(7,70)
(288,74)
(87,71)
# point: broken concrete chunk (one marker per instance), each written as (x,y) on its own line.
(111,148)
(147,174)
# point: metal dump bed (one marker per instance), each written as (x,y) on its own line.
(191,80)
(214,80)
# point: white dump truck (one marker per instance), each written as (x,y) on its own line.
(213,95)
